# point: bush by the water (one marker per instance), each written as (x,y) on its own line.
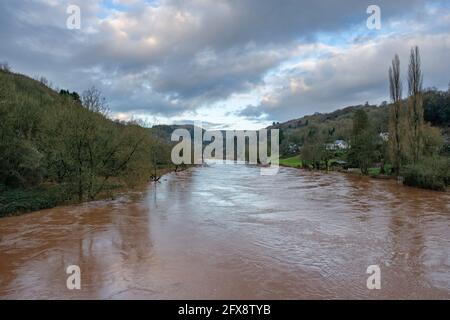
(14,201)
(431,173)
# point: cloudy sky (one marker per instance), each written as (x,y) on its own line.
(231,63)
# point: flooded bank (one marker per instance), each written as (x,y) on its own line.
(225,232)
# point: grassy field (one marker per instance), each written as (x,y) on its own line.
(377,171)
(293,162)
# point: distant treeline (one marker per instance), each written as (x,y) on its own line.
(436,106)
(338,124)
(60,146)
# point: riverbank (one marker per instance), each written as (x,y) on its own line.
(374,173)
(14,202)
(374,176)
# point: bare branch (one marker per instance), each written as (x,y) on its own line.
(93,100)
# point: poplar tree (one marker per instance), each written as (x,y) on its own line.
(395,114)
(415,105)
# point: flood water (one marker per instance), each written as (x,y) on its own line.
(225,232)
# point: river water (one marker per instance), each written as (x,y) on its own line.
(225,232)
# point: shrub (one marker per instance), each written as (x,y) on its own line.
(430,173)
(15,201)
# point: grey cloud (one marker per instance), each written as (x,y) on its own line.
(251,112)
(354,76)
(211,76)
(176,55)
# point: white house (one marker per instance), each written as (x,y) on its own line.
(337,145)
(384,136)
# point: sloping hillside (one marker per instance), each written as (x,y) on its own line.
(338,124)
(56,147)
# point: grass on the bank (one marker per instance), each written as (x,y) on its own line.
(296,162)
(377,171)
(293,162)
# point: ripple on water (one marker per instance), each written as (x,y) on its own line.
(227,232)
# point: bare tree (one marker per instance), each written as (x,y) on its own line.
(415,104)
(395,86)
(415,77)
(4,66)
(44,81)
(93,100)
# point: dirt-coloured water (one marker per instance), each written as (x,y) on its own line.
(225,232)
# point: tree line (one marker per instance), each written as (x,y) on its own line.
(414,145)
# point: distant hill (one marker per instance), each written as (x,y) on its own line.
(164,131)
(338,124)
(336,119)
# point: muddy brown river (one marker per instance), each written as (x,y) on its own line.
(225,232)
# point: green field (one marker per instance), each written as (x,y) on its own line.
(294,162)
(377,171)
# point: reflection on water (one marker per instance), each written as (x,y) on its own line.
(226,232)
